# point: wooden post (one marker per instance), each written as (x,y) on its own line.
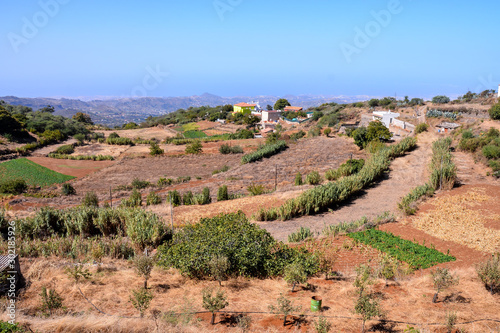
(110,198)
(171,213)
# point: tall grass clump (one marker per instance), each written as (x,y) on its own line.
(443,170)
(350,167)
(267,150)
(300,235)
(407,204)
(324,196)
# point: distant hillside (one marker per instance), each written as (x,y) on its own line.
(122,110)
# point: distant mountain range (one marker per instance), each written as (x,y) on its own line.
(116,111)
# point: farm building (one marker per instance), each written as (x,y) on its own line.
(271,115)
(244,108)
(446,127)
(386,117)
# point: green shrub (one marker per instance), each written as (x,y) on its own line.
(68,189)
(327,131)
(146,229)
(222,194)
(495,112)
(489,273)
(187,198)
(154,149)
(153,199)
(299,135)
(223,169)
(469,144)
(194,148)
(80,137)
(139,184)
(256,189)
(298,179)
(313,178)
(119,141)
(495,165)
(14,186)
(295,274)
(135,199)
(174,197)
(141,299)
(314,132)
(467,134)
(66,149)
(348,168)
(250,250)
(407,204)
(227,149)
(301,235)
(423,127)
(51,300)
(90,200)
(491,152)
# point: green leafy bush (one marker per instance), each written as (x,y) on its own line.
(66,150)
(222,194)
(256,189)
(187,198)
(154,149)
(352,166)
(298,179)
(14,186)
(68,189)
(489,273)
(491,152)
(135,199)
(227,149)
(495,112)
(194,148)
(264,152)
(423,127)
(90,200)
(139,184)
(313,178)
(251,251)
(113,135)
(153,199)
(119,141)
(146,229)
(174,197)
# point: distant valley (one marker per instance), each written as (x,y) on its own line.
(118,111)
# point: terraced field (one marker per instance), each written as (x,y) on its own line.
(34,174)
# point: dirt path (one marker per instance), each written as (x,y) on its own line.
(52,148)
(469,172)
(405,173)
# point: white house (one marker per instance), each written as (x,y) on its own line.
(271,115)
(386,117)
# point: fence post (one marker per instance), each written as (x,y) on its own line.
(171,213)
(110,198)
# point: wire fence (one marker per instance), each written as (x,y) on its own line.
(178,314)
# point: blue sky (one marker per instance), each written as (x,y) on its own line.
(247,47)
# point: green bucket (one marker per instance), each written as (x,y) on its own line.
(316,303)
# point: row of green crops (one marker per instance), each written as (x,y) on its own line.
(82,157)
(34,174)
(416,255)
(324,196)
(265,151)
(183,141)
(119,141)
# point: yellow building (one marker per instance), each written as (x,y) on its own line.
(244,108)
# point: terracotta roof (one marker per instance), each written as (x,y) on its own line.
(244,105)
(293,108)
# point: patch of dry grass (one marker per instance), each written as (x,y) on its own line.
(410,300)
(454,219)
